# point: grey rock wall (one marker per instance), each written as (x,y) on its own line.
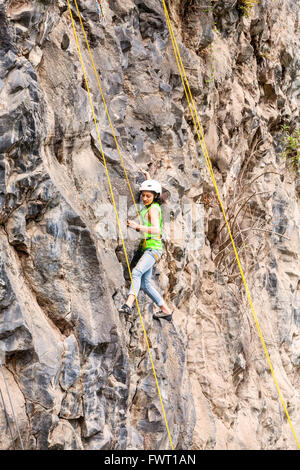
(80,375)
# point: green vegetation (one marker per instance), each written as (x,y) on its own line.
(245,6)
(291,143)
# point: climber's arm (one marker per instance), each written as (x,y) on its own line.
(146,173)
(154,220)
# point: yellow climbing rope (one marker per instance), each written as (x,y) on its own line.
(106,110)
(207,159)
(117,216)
(206,156)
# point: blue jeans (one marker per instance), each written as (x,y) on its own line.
(141,276)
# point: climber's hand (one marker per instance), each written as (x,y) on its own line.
(132,224)
(146,173)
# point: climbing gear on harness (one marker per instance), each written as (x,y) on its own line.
(126,309)
(151,240)
(162,316)
(100,10)
(151,185)
(156,257)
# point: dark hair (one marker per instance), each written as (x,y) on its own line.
(160,199)
(157,198)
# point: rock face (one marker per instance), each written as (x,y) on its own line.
(79,374)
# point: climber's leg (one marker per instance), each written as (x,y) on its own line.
(150,290)
(145,263)
(143,287)
(155,296)
(136,258)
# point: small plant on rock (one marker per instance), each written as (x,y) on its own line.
(245,6)
(291,143)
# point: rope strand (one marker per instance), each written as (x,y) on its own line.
(207,159)
(118,221)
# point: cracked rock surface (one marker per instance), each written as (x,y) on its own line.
(79,373)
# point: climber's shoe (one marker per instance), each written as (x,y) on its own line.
(162,316)
(125,309)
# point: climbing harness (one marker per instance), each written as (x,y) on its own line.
(207,159)
(111,191)
(100,10)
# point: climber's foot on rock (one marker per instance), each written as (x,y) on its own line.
(125,309)
(162,316)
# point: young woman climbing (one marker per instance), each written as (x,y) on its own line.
(150,248)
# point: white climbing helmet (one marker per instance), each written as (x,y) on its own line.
(151,185)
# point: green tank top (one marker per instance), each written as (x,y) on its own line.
(151,240)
